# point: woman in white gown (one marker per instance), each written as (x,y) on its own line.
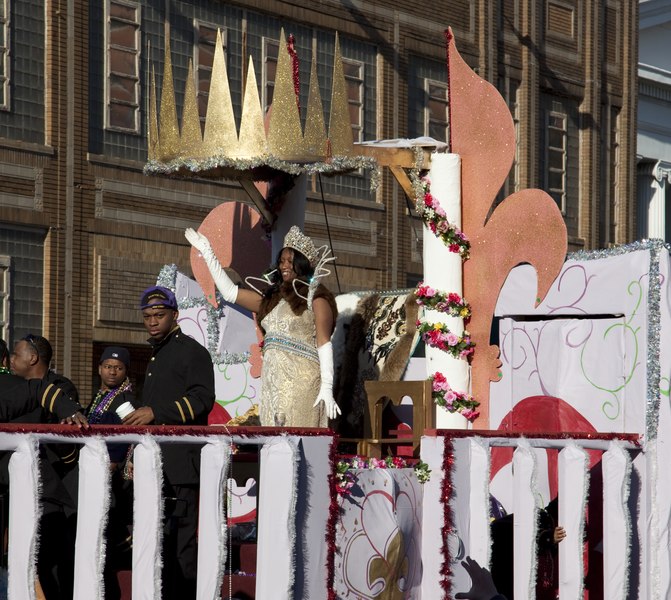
(297,316)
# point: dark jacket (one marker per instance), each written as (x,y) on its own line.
(20,397)
(46,400)
(179,388)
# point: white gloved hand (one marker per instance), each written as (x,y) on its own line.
(229,291)
(325,395)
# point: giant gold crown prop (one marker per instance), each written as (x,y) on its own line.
(222,151)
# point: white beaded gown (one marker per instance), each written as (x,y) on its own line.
(290,375)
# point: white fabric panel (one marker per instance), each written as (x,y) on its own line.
(313,496)
(378,537)
(573,479)
(526,520)
(571,359)
(431,452)
(461,512)
(657,520)
(147,520)
(480,533)
(24,511)
(276,543)
(212,550)
(588,287)
(656,560)
(92,515)
(594,286)
(616,522)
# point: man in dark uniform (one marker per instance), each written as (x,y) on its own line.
(35,394)
(178,390)
(35,400)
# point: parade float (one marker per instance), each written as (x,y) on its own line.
(571,401)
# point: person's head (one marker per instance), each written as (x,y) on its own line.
(31,357)
(159,311)
(291,264)
(4,354)
(298,257)
(113,366)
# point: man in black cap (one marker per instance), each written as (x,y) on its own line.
(114,400)
(178,390)
(115,387)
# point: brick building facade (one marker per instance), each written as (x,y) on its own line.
(83,230)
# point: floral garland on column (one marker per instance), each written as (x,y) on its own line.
(438,335)
(346,478)
(435,218)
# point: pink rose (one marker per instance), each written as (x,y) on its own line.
(452,339)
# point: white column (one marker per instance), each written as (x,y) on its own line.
(292,213)
(653,183)
(443,271)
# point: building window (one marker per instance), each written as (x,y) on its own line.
(271,52)
(353,70)
(615,174)
(436,110)
(123,66)
(5,264)
(555,172)
(509,89)
(206,40)
(4,54)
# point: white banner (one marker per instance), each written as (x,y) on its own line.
(92,516)
(573,487)
(212,551)
(147,520)
(525,524)
(616,522)
(24,512)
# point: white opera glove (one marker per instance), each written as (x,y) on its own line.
(325,395)
(229,291)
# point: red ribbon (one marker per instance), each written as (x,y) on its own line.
(291,49)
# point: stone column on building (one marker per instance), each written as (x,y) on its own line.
(654,179)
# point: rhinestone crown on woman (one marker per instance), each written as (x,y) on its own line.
(297,240)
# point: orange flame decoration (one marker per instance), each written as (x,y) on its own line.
(527,227)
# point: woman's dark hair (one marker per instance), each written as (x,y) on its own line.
(302,268)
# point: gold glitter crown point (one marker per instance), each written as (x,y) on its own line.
(297,240)
(222,146)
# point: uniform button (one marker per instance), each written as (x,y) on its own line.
(153,358)
(148,374)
